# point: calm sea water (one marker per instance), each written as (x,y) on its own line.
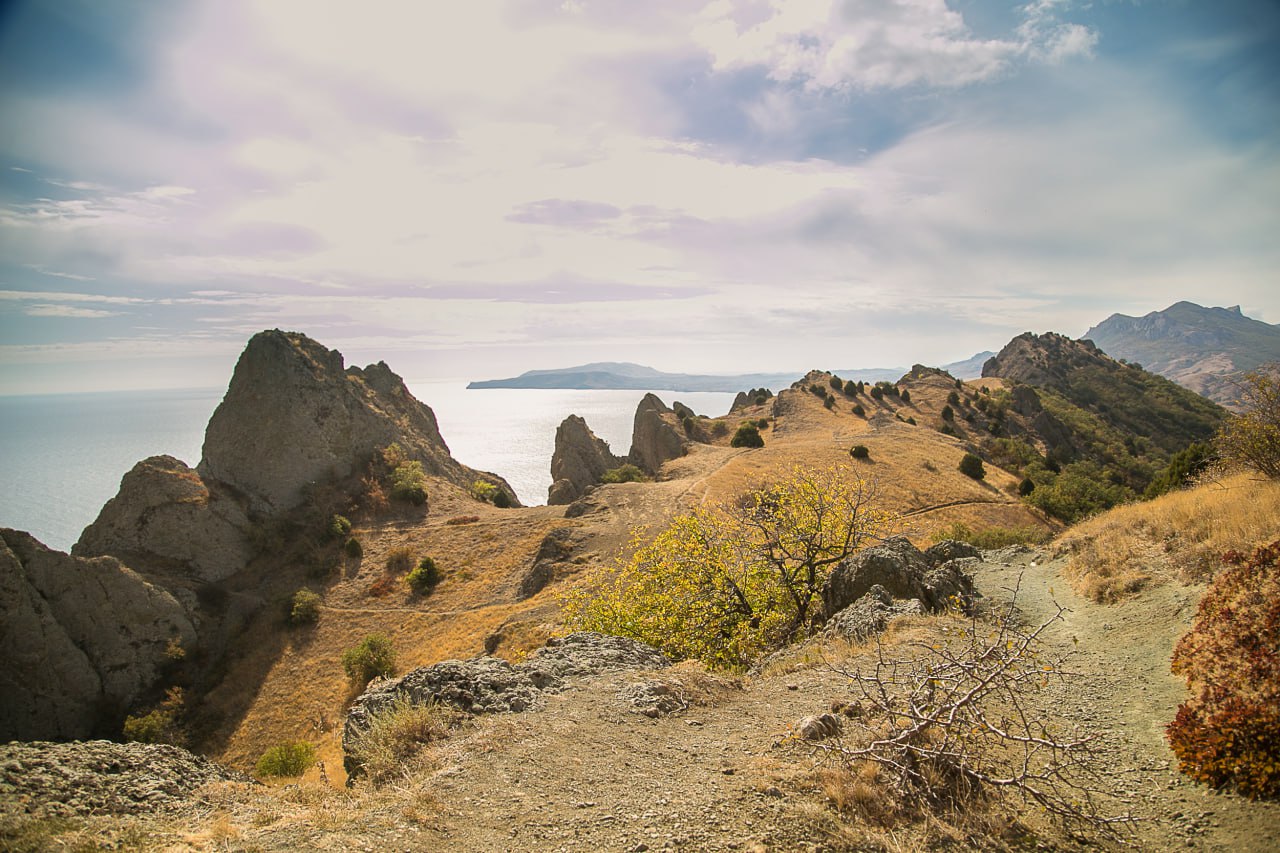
(62,456)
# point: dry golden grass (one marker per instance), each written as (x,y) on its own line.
(1181,535)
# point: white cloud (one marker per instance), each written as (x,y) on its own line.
(875,44)
(67,311)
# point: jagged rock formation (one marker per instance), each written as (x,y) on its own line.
(579,461)
(654,436)
(873,586)
(293,417)
(100,777)
(1204,349)
(746,399)
(557,546)
(81,641)
(1045,360)
(485,685)
(165,516)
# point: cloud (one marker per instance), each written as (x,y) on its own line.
(67,311)
(565,213)
(873,44)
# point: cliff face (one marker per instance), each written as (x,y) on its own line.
(294,416)
(82,640)
(579,461)
(166,516)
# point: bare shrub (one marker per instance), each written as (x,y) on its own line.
(950,724)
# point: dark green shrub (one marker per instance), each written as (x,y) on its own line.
(971,466)
(352,548)
(860,451)
(911,420)
(817,390)
(399,560)
(160,725)
(409,483)
(424,578)
(859,411)
(905,395)
(948,429)
(690,424)
(502,499)
(1026,487)
(762,423)
(373,656)
(339,527)
(850,388)
(953,398)
(625,473)
(305,609)
(748,435)
(877,393)
(948,413)
(761,399)
(837,384)
(1228,732)
(287,759)
(1183,465)
(829,401)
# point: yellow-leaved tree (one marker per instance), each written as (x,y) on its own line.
(729,582)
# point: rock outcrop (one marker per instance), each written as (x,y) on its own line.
(81,642)
(579,461)
(166,517)
(293,416)
(100,777)
(486,685)
(654,436)
(877,584)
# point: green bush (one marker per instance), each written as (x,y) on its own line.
(371,657)
(850,388)
(483,490)
(160,725)
(424,578)
(1026,487)
(748,435)
(339,527)
(502,500)
(305,609)
(287,759)
(971,466)
(762,423)
(953,398)
(948,414)
(409,483)
(905,395)
(400,560)
(625,473)
(352,548)
(877,393)
(837,384)
(829,401)
(1082,489)
(860,451)
(859,411)
(1182,466)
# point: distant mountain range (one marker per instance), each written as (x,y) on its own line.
(625,376)
(1204,349)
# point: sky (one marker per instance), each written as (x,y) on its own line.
(471,190)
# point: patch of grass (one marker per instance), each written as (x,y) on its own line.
(395,737)
(990,538)
(400,560)
(626,473)
(1177,535)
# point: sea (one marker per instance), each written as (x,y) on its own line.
(62,455)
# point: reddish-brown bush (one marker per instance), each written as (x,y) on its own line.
(463,519)
(1228,732)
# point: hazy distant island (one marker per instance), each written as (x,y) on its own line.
(626,376)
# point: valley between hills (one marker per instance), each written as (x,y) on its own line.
(189,581)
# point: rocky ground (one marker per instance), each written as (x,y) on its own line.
(676,758)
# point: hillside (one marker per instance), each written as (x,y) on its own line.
(1204,349)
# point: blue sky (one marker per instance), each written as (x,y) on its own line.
(476,189)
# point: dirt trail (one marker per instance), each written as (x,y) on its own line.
(1125,690)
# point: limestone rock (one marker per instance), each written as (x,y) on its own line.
(950,549)
(897,566)
(81,641)
(100,777)
(292,416)
(586,653)
(579,461)
(557,546)
(655,438)
(871,614)
(166,516)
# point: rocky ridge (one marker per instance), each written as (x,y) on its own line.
(82,640)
